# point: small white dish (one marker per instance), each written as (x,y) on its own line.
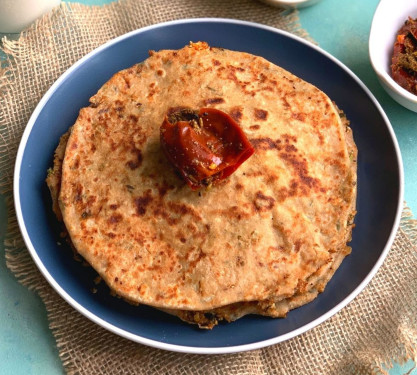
(290,4)
(388,19)
(15,15)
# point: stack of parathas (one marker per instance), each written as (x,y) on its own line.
(265,240)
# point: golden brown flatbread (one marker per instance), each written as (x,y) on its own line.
(265,240)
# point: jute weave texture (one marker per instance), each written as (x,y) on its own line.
(379,326)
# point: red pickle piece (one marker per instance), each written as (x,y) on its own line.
(205,146)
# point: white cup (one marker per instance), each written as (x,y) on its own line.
(15,15)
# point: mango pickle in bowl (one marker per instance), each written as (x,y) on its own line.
(387,31)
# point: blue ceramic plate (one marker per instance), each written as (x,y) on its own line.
(380,185)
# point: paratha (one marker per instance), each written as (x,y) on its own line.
(265,240)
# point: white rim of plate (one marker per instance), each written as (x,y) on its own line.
(182,348)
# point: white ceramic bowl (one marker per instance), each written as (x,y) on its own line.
(15,15)
(290,3)
(388,18)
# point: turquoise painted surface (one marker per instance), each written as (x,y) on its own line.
(341,28)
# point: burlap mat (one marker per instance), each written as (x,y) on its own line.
(379,326)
